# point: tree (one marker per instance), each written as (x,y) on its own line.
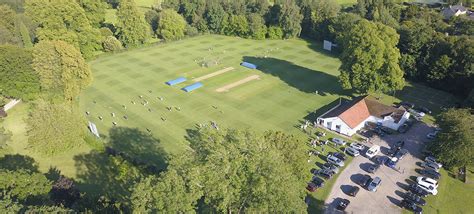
(7,26)
(54,128)
(274,32)
(257,27)
(171,25)
(131,27)
(454,144)
(168,194)
(286,14)
(237,26)
(22,185)
(214,16)
(62,70)
(17,77)
(370,59)
(230,171)
(66,21)
(94,10)
(112,44)
(64,192)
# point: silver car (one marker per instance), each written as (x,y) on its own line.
(339,141)
(428,165)
(334,160)
(374,183)
(352,151)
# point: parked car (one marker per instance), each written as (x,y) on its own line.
(404,128)
(415,198)
(423,109)
(430,189)
(410,205)
(353,191)
(330,167)
(431,166)
(364,181)
(427,181)
(414,188)
(334,160)
(352,151)
(401,153)
(431,159)
(357,146)
(317,181)
(327,174)
(343,204)
(374,184)
(391,162)
(392,151)
(339,155)
(407,104)
(373,168)
(374,150)
(430,173)
(311,187)
(379,132)
(416,113)
(339,142)
(380,159)
(399,144)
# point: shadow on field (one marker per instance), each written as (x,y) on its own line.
(301,78)
(129,154)
(314,205)
(17,161)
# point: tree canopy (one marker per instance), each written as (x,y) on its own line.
(370,60)
(171,25)
(62,70)
(17,77)
(454,144)
(233,171)
(132,28)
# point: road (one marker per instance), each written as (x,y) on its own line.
(390,193)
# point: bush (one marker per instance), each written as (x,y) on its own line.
(275,32)
(106,32)
(191,31)
(111,44)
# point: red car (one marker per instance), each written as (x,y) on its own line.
(311,187)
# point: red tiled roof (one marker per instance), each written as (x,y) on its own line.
(359,109)
(356,114)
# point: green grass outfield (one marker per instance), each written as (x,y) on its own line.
(283,96)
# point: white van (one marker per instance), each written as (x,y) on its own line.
(374,150)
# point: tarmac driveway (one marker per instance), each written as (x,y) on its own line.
(390,193)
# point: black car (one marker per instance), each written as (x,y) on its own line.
(392,151)
(417,190)
(343,204)
(379,132)
(415,198)
(403,128)
(399,144)
(364,181)
(327,174)
(401,153)
(407,104)
(340,156)
(380,159)
(317,181)
(423,109)
(353,191)
(410,205)
(430,173)
(373,168)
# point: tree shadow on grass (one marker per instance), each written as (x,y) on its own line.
(112,174)
(17,161)
(314,205)
(301,78)
(138,145)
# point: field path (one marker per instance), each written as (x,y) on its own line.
(235,84)
(219,72)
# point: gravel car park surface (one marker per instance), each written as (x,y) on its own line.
(389,194)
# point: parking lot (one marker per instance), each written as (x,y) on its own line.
(389,194)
